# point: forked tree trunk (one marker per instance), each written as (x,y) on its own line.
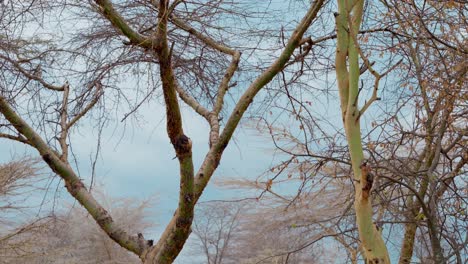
(348,21)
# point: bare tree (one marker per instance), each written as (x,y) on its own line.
(15,178)
(216,227)
(315,225)
(71,235)
(18,180)
(51,83)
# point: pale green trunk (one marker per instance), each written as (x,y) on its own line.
(347,70)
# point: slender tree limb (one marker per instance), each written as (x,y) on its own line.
(206,39)
(212,158)
(369,67)
(35,77)
(63,123)
(73,183)
(18,138)
(97,95)
(224,85)
(374,96)
(193,103)
(108,10)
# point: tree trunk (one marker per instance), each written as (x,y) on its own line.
(348,21)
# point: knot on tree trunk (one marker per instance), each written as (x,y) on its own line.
(74,187)
(143,243)
(376,261)
(183,146)
(367,179)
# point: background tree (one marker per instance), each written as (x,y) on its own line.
(70,235)
(18,179)
(216,230)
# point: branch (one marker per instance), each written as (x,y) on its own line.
(212,158)
(222,90)
(176,233)
(374,96)
(368,66)
(18,138)
(99,92)
(433,36)
(224,85)
(63,124)
(73,183)
(207,40)
(33,76)
(193,103)
(108,10)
